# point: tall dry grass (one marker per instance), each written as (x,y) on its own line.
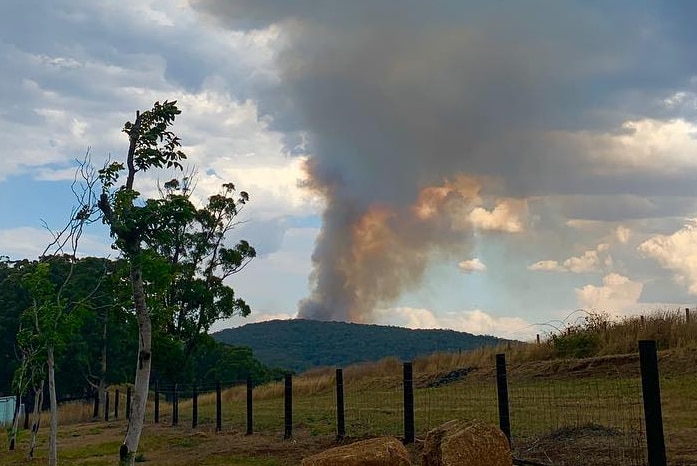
(594,335)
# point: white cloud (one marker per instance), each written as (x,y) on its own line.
(665,146)
(617,295)
(475,321)
(590,261)
(506,217)
(471,265)
(547,266)
(676,252)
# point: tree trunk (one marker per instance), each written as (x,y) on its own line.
(36,418)
(15,428)
(53,430)
(127,453)
(15,421)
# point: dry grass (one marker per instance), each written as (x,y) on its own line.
(548,388)
(670,328)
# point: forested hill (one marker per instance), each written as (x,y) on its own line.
(302,344)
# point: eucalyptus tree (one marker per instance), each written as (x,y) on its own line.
(180,247)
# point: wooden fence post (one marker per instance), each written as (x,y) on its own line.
(408,403)
(650,386)
(502,395)
(340,420)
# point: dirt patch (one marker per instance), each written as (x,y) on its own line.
(441,379)
(583,445)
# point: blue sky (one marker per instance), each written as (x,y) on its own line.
(485,168)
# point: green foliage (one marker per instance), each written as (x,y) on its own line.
(580,340)
(575,342)
(301,344)
(99,289)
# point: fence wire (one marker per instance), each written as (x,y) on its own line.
(562,420)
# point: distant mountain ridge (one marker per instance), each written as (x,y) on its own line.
(301,344)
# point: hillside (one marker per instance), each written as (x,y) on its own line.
(302,344)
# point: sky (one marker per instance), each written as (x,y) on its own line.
(491,167)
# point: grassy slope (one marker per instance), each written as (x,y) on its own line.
(547,392)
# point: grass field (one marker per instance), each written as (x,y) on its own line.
(564,411)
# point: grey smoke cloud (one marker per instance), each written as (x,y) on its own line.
(401,96)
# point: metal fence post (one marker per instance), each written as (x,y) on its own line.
(157,401)
(194,408)
(106,405)
(128,402)
(502,395)
(650,386)
(175,405)
(288,403)
(340,420)
(218,407)
(116,404)
(250,418)
(408,403)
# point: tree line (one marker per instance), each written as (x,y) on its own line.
(98,346)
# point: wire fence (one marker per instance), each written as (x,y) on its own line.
(552,419)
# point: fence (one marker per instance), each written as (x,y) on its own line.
(549,420)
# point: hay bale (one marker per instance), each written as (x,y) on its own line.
(382,451)
(466,443)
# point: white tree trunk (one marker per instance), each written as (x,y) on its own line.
(36,418)
(53,430)
(15,421)
(15,428)
(127,453)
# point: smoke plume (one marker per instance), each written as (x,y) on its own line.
(429,121)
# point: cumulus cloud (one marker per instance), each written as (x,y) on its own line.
(546,266)
(471,265)
(504,217)
(474,321)
(647,145)
(590,261)
(617,295)
(676,252)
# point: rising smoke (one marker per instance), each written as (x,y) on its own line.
(432,120)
